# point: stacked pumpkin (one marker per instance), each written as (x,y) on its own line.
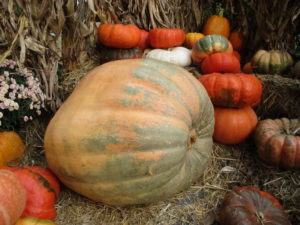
(232,93)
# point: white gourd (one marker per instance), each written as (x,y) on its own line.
(180,56)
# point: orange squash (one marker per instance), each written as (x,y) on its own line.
(119,35)
(133,131)
(191,38)
(217,24)
(11,148)
(166,38)
(247,68)
(234,125)
(237,40)
(12,198)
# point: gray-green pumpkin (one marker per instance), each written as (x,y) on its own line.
(271,62)
(133,131)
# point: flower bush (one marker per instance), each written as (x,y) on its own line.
(21,98)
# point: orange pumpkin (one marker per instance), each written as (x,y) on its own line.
(119,35)
(191,38)
(220,62)
(237,40)
(234,125)
(217,24)
(247,68)
(144,40)
(166,38)
(278,142)
(12,198)
(232,90)
(127,130)
(11,148)
(236,54)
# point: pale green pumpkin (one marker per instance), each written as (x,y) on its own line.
(271,62)
(133,131)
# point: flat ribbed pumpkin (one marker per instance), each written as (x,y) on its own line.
(232,90)
(278,142)
(271,62)
(208,45)
(133,131)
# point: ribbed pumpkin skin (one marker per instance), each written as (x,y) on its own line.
(232,90)
(144,40)
(221,62)
(166,38)
(12,198)
(234,125)
(208,45)
(278,142)
(11,147)
(119,35)
(251,206)
(271,62)
(217,25)
(132,132)
(191,38)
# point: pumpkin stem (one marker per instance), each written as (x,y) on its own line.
(221,12)
(260,217)
(192,139)
(296,131)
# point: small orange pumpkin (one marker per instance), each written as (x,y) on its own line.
(233,126)
(191,38)
(11,147)
(119,35)
(237,40)
(166,38)
(247,68)
(217,24)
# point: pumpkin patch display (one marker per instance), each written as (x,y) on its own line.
(42,189)
(208,45)
(217,24)
(166,38)
(119,35)
(34,221)
(233,125)
(220,62)
(249,205)
(278,142)
(179,55)
(191,38)
(133,131)
(232,90)
(271,62)
(12,198)
(12,148)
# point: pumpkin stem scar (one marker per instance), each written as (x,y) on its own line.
(192,139)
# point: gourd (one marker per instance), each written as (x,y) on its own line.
(249,205)
(191,38)
(278,142)
(220,62)
(34,221)
(232,90)
(42,189)
(271,62)
(132,132)
(208,45)
(12,148)
(166,38)
(119,35)
(179,55)
(217,24)
(12,198)
(234,125)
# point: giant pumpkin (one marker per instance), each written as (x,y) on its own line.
(133,131)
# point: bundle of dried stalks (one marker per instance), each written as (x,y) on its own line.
(30,34)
